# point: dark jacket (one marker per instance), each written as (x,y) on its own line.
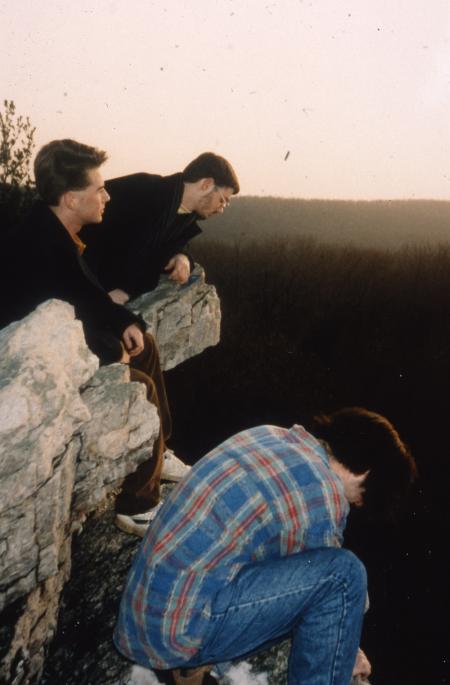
(41,261)
(141,230)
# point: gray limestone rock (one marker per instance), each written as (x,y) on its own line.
(40,404)
(69,433)
(40,409)
(119,435)
(184,319)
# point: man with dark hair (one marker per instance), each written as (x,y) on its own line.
(65,165)
(45,260)
(245,552)
(149,221)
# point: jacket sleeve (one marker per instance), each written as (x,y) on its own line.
(178,244)
(103,320)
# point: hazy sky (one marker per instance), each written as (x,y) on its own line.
(357,92)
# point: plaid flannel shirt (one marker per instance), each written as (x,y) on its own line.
(265,493)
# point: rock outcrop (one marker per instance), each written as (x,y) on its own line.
(185,319)
(69,433)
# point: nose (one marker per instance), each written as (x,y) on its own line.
(107,197)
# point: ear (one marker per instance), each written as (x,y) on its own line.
(68,200)
(362,476)
(354,487)
(206,184)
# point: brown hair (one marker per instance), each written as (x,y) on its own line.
(63,165)
(363,440)
(210,165)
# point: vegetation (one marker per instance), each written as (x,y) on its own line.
(16,149)
(384,224)
(309,326)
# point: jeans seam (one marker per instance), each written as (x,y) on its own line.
(338,653)
(304,588)
(269,599)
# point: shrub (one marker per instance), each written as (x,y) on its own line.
(16,149)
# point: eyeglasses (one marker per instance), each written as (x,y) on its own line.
(225,201)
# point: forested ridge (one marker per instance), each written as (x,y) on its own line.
(386,224)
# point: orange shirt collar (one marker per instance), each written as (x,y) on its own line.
(79,243)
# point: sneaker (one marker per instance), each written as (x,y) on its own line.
(173,468)
(137,524)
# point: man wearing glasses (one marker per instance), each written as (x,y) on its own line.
(149,221)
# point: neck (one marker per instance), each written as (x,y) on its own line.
(339,469)
(189,197)
(70,223)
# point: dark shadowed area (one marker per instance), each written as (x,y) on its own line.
(309,326)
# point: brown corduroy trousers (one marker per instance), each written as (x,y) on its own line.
(141,489)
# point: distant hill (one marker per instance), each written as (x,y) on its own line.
(380,224)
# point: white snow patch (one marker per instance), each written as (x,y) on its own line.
(142,676)
(241,674)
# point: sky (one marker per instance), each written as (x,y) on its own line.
(314,99)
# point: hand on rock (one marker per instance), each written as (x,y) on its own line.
(179,267)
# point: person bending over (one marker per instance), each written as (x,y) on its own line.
(149,221)
(247,551)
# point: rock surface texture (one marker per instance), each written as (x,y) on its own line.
(185,319)
(69,433)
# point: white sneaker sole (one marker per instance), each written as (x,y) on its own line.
(128,525)
(173,477)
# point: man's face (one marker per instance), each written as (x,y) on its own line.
(90,201)
(213,201)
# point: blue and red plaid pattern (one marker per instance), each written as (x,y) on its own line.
(265,493)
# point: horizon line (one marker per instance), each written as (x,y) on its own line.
(340,199)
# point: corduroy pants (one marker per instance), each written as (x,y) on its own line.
(141,489)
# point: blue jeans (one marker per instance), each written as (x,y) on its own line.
(317,598)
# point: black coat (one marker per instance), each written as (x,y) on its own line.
(40,261)
(140,232)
